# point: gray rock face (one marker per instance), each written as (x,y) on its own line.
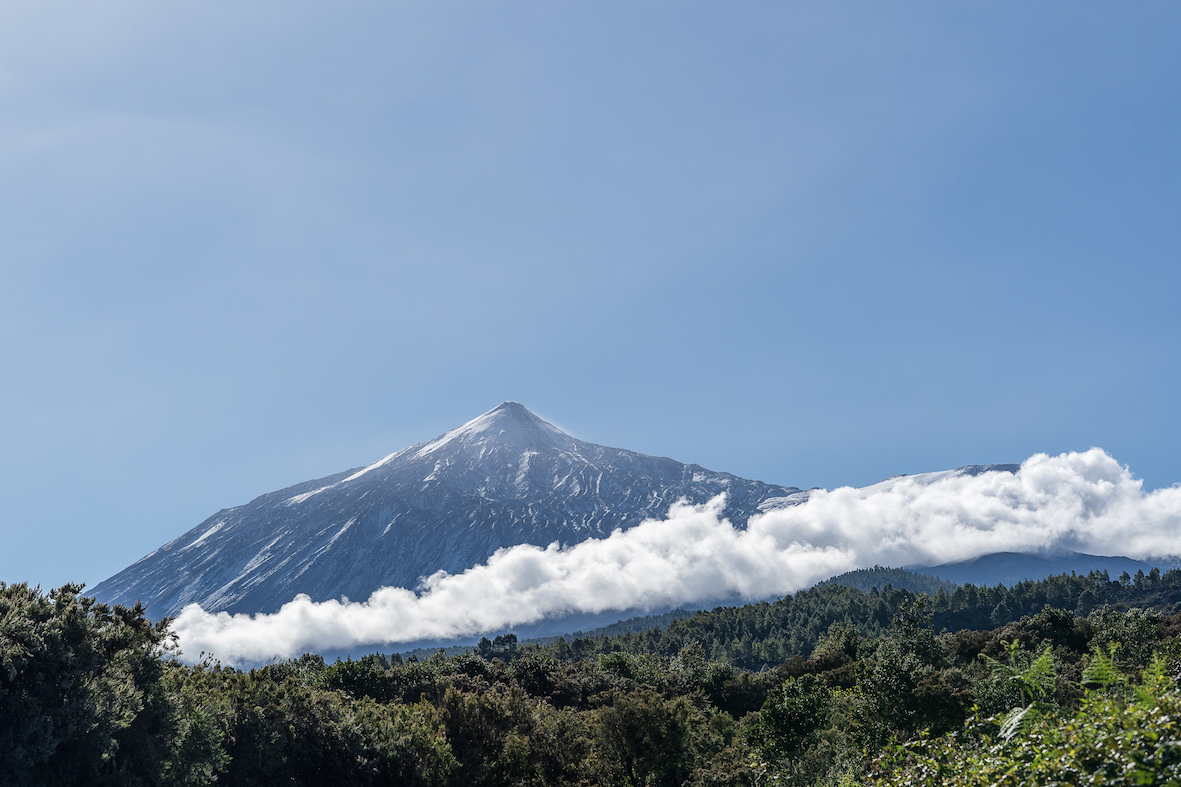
(504,478)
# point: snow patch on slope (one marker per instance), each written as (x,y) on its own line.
(199,539)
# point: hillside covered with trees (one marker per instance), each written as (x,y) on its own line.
(1070,679)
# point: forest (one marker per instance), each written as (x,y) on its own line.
(1068,680)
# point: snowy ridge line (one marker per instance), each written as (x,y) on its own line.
(500,480)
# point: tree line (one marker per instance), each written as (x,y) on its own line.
(832,685)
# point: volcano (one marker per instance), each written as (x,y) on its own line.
(504,478)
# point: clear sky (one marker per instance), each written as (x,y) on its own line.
(246,245)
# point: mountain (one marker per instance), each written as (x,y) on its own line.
(1009,568)
(505,478)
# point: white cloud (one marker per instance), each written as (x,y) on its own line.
(1084,502)
(1080,501)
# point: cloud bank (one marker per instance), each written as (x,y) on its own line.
(1085,502)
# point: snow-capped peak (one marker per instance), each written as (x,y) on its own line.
(508,424)
(504,478)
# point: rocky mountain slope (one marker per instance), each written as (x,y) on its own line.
(504,478)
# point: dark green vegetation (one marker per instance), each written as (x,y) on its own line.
(1068,679)
(879,576)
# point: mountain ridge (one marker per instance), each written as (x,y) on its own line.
(1012,568)
(504,478)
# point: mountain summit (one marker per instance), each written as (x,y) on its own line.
(508,426)
(504,478)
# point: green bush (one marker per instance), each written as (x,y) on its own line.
(1116,737)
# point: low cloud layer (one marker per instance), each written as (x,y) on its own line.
(1084,502)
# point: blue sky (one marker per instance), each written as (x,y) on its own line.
(245,246)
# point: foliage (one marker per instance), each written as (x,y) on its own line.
(82,698)
(881,577)
(764,634)
(1113,738)
(811,689)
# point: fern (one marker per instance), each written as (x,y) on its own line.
(1018,721)
(1154,679)
(1035,680)
(1039,678)
(1101,672)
